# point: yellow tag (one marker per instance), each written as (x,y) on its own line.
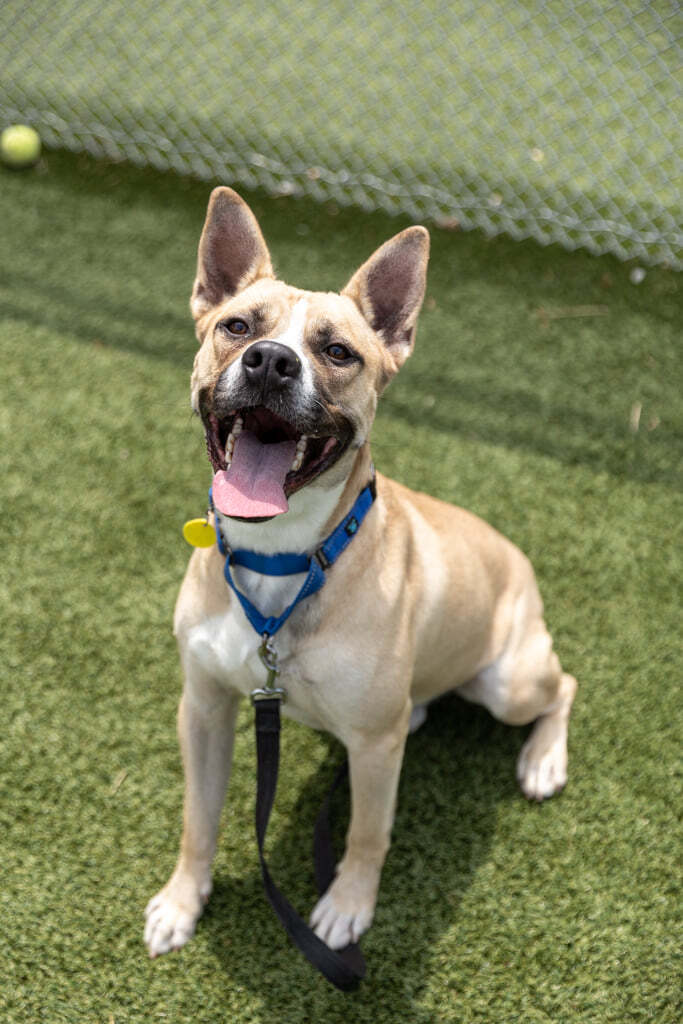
(199,533)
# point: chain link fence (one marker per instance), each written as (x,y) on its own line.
(555,120)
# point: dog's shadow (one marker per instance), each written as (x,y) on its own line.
(457,768)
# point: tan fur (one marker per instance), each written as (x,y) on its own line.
(427,598)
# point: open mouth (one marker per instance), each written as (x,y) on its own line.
(260,459)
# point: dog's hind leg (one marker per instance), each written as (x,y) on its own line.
(206,726)
(527,684)
(542,763)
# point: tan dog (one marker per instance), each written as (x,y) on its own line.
(426,599)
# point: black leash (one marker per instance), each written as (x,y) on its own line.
(343,968)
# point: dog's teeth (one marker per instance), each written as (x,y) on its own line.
(300,452)
(230,442)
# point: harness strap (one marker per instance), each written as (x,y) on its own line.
(343,968)
(288,563)
(313,582)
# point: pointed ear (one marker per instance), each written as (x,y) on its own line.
(232,252)
(389,289)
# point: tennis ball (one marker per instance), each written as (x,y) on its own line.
(19,146)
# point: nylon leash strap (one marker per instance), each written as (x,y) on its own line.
(343,968)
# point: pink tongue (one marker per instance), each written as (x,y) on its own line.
(253,484)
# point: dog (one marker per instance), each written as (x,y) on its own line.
(427,598)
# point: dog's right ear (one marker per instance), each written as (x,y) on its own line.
(232,252)
(389,288)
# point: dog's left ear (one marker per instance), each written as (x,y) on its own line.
(389,289)
(232,251)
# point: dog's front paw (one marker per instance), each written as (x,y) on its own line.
(172,915)
(339,917)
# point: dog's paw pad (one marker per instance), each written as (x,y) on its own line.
(542,773)
(336,928)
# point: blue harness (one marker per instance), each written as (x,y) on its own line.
(289,564)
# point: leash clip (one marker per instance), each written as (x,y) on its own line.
(268,655)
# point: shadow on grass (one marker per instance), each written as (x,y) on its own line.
(457,769)
(489,410)
(512,418)
(131,326)
(130,236)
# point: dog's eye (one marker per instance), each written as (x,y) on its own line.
(339,353)
(237,327)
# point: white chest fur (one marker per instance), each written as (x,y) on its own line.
(226,647)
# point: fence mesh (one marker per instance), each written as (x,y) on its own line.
(556,120)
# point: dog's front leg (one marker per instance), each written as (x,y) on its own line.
(346,909)
(206,728)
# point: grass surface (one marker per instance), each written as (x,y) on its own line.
(491,910)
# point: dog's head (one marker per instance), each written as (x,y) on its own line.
(286,381)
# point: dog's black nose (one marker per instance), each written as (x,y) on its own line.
(268,364)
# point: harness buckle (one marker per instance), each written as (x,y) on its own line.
(322,559)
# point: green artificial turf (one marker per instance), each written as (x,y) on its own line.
(516,405)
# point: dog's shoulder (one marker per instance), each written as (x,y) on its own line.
(455,533)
